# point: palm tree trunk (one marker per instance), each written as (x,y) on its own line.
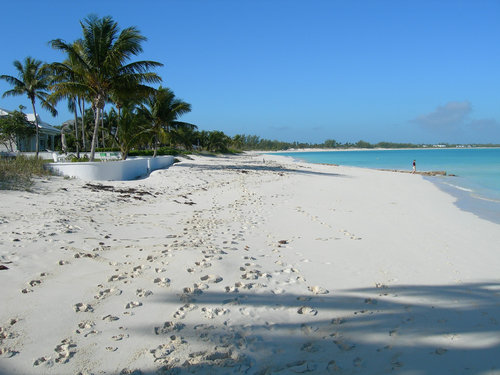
(82,112)
(95,135)
(102,128)
(119,107)
(76,130)
(37,137)
(155,146)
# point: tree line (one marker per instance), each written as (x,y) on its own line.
(99,70)
(253,142)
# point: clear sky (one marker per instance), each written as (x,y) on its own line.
(310,70)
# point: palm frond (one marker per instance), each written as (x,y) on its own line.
(181,125)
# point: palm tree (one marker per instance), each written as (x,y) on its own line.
(218,141)
(103,70)
(132,130)
(184,136)
(67,71)
(161,110)
(33,80)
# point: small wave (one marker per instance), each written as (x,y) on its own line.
(485,199)
(459,187)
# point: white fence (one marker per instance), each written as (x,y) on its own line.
(119,170)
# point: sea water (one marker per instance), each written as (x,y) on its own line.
(473,174)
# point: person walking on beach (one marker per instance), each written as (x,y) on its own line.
(414,166)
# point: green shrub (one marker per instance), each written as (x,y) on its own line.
(17,173)
(108,149)
(79,160)
(140,153)
(160,152)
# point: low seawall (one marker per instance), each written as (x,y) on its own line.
(119,170)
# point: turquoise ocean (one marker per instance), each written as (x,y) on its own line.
(476,180)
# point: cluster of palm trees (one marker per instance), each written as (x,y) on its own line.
(98,70)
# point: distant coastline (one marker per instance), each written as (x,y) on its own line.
(312,149)
(471,175)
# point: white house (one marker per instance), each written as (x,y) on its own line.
(47,135)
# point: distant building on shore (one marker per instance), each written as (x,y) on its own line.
(47,136)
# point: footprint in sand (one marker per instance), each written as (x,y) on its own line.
(194,290)
(168,327)
(212,313)
(189,294)
(133,304)
(231,289)
(5,334)
(65,351)
(357,362)
(138,269)
(203,264)
(307,329)
(106,292)
(117,277)
(181,312)
(120,337)
(161,352)
(83,307)
(318,290)
(143,293)
(110,318)
(85,255)
(162,281)
(211,278)
(93,332)
(86,324)
(8,352)
(300,367)
(306,310)
(310,347)
(304,298)
(337,321)
(34,283)
(343,346)
(333,368)
(44,360)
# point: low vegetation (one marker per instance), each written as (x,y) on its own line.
(18,173)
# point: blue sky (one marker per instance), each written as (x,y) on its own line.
(402,71)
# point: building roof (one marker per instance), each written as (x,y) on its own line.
(42,125)
(4,112)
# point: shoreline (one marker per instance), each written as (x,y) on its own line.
(482,207)
(229,265)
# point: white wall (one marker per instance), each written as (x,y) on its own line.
(120,170)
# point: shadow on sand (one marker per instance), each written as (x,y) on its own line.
(257,167)
(412,329)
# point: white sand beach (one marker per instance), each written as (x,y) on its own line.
(229,265)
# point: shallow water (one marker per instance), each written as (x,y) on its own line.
(476,180)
